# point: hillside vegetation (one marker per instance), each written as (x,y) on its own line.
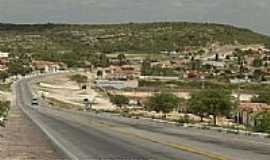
(55,41)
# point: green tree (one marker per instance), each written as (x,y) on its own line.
(4,109)
(122,59)
(262,122)
(262,97)
(19,64)
(258,75)
(213,102)
(3,76)
(80,79)
(257,62)
(119,100)
(163,102)
(101,61)
(146,67)
(196,105)
(196,64)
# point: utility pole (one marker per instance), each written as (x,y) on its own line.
(203,82)
(88,104)
(238,102)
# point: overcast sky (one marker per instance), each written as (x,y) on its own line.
(253,14)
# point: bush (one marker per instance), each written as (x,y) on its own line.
(78,78)
(262,122)
(4,109)
(185,119)
(163,102)
(119,100)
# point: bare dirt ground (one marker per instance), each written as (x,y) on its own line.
(61,88)
(23,140)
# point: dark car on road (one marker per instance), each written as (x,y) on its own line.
(34,101)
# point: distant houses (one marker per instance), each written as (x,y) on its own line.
(118,77)
(247,112)
(126,72)
(215,64)
(47,66)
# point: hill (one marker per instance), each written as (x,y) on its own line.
(51,41)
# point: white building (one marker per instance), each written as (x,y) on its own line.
(4,55)
(214,64)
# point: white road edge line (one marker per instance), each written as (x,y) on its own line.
(54,140)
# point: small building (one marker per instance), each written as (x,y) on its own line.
(158,78)
(214,64)
(239,81)
(115,84)
(247,110)
(126,72)
(4,55)
(47,66)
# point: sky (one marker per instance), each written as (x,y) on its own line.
(253,14)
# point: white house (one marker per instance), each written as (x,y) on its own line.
(4,55)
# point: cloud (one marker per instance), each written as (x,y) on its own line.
(248,13)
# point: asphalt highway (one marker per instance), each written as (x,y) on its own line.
(90,136)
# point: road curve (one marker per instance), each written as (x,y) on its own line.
(87,136)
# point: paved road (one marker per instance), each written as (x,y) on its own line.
(87,136)
(21,139)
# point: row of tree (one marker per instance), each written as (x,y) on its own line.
(203,103)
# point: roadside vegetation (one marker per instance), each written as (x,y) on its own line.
(262,97)
(210,84)
(119,100)
(5,87)
(262,121)
(79,79)
(163,102)
(4,109)
(212,102)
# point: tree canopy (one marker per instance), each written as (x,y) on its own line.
(78,78)
(257,62)
(262,97)
(262,122)
(3,75)
(197,105)
(163,102)
(4,108)
(122,59)
(215,102)
(19,64)
(119,100)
